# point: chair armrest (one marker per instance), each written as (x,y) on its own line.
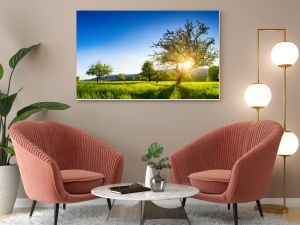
(99,157)
(194,157)
(251,174)
(40,174)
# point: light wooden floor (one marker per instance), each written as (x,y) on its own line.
(293,215)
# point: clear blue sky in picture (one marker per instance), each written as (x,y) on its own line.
(123,39)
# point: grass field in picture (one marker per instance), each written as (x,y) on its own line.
(147,90)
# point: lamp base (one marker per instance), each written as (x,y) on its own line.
(276,209)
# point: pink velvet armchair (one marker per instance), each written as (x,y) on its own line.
(230,165)
(60,164)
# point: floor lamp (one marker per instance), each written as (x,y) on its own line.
(284,54)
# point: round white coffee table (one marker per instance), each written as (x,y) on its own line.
(145,209)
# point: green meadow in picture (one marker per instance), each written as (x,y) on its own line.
(148,55)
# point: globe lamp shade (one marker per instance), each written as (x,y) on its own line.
(258,95)
(284,54)
(289,144)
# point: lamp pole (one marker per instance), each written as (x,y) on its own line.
(285,209)
(284,182)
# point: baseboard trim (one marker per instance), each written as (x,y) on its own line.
(291,202)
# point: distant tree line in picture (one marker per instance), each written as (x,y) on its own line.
(148,73)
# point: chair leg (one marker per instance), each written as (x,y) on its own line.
(64,206)
(235,213)
(183,202)
(228,206)
(108,203)
(56,209)
(259,208)
(32,208)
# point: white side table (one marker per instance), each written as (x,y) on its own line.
(145,208)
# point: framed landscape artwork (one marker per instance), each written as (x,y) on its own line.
(148,55)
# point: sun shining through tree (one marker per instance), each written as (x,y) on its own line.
(186,48)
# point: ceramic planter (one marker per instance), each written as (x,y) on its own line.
(148,176)
(9,183)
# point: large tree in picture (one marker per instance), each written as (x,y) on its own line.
(186,48)
(99,69)
(148,70)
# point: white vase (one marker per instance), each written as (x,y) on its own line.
(148,176)
(9,183)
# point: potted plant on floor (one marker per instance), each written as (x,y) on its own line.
(9,174)
(156,182)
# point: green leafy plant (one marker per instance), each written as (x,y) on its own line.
(6,102)
(154,151)
(161,164)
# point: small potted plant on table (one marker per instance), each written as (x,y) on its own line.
(157,182)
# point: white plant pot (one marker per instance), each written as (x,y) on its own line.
(9,183)
(148,176)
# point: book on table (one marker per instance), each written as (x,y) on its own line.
(129,189)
